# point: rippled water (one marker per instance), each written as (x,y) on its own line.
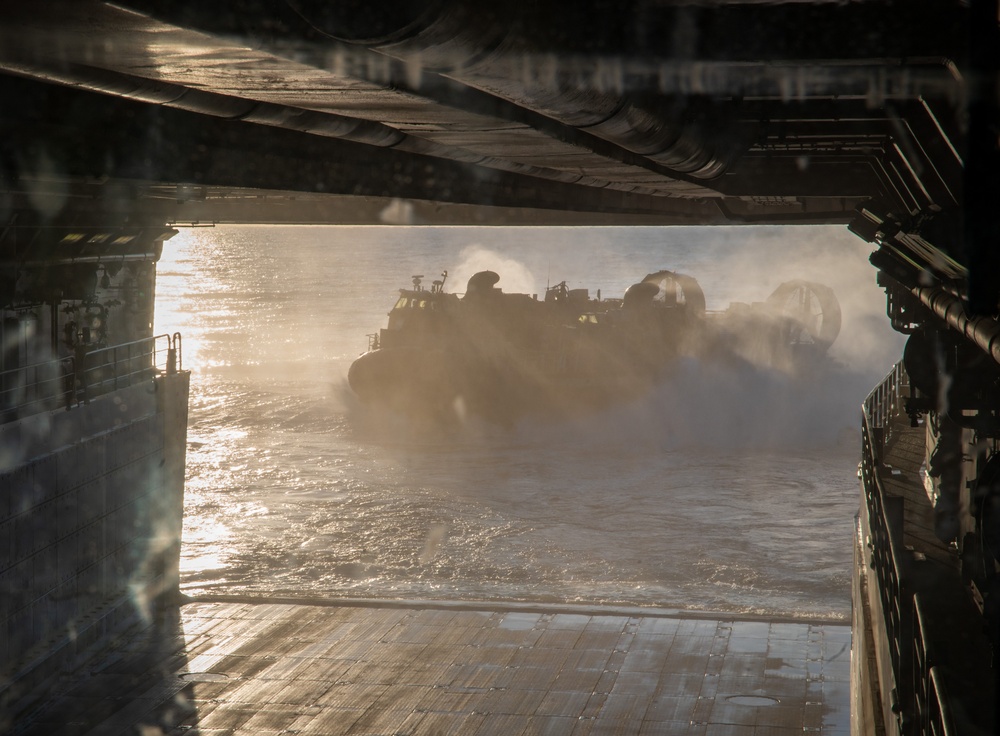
(728,489)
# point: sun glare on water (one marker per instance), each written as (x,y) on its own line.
(176,271)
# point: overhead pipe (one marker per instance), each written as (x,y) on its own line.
(984,331)
(212,104)
(481,49)
(325,124)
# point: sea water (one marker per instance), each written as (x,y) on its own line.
(727,488)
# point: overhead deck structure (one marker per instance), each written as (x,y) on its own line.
(701,112)
(122,119)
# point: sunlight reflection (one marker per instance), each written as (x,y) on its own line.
(176,271)
(204,548)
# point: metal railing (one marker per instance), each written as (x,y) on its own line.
(883,405)
(124,365)
(885,518)
(939,720)
(917,690)
(930,702)
(77,379)
(36,388)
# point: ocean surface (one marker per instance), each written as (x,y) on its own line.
(726,489)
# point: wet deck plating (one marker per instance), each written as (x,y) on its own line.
(269,668)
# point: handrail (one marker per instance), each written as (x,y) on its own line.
(122,365)
(36,388)
(883,404)
(931,709)
(175,361)
(940,711)
(919,696)
(878,410)
(68,381)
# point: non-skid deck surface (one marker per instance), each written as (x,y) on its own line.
(266,669)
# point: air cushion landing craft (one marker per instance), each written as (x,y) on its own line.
(503,356)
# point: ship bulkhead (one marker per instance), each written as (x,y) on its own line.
(93,421)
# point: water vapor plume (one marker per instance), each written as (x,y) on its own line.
(728,406)
(759,259)
(730,394)
(515,276)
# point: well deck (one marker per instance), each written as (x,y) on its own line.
(270,668)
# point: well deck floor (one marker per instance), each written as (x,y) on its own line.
(281,668)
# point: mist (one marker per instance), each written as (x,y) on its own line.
(732,264)
(704,402)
